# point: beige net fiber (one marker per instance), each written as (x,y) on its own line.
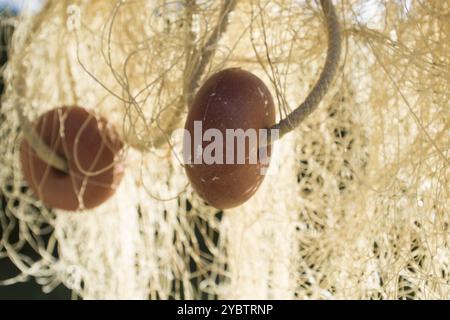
(355,205)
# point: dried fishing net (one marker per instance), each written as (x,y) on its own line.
(355,202)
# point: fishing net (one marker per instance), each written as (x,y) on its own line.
(354,206)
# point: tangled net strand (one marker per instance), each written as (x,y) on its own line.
(356,201)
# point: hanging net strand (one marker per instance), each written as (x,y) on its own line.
(293,120)
(196,63)
(210,46)
(43,151)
